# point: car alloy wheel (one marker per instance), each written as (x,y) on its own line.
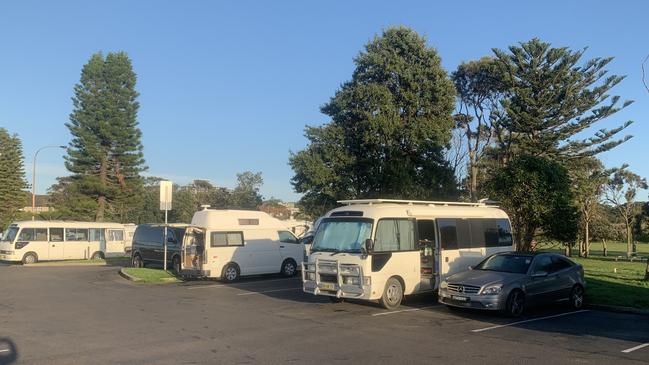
(577,297)
(516,303)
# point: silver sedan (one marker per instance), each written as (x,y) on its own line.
(512,281)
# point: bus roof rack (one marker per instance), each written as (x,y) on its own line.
(415,202)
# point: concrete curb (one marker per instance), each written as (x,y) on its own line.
(618,309)
(128,277)
(63,264)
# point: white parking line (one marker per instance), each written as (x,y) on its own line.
(636,348)
(5,350)
(269,291)
(528,320)
(234,285)
(401,311)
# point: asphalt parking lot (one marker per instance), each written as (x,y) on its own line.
(63,315)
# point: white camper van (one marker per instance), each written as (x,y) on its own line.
(228,244)
(33,241)
(384,249)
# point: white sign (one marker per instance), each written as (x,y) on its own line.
(166,194)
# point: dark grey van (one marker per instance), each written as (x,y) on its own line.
(148,245)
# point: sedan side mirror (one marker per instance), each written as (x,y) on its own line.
(369,245)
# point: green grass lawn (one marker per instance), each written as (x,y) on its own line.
(618,283)
(151,276)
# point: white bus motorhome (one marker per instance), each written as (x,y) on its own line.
(33,241)
(379,249)
(227,244)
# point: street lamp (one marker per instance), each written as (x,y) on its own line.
(34,178)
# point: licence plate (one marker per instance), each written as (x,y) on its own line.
(327,286)
(459,299)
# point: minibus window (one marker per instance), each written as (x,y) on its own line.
(447,233)
(76,234)
(116,235)
(395,235)
(56,234)
(95,234)
(9,234)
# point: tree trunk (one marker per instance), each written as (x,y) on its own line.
(586,240)
(646,272)
(101,201)
(473,177)
(628,240)
(604,247)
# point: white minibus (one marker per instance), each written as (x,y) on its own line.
(227,244)
(33,241)
(380,249)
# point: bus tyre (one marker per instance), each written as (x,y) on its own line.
(230,273)
(30,258)
(576,297)
(137,261)
(392,294)
(97,256)
(289,268)
(336,300)
(515,305)
(175,264)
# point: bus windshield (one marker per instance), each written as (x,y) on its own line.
(342,235)
(9,234)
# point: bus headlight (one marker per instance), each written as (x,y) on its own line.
(492,289)
(310,276)
(352,280)
(443,285)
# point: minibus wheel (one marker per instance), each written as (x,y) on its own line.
(289,268)
(392,294)
(175,263)
(230,273)
(97,256)
(30,258)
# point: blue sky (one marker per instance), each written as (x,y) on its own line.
(228,86)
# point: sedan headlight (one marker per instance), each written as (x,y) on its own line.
(492,289)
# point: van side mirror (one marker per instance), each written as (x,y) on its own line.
(369,245)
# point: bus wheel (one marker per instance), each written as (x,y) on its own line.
(289,268)
(175,263)
(30,258)
(392,295)
(336,300)
(97,256)
(230,273)
(137,261)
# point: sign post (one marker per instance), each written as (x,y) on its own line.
(166,194)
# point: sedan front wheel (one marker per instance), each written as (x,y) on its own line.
(515,303)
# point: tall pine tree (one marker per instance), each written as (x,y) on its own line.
(12,177)
(105,155)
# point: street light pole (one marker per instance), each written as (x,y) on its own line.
(34,178)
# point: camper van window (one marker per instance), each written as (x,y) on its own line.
(463,230)
(115,235)
(56,234)
(447,233)
(249,222)
(220,239)
(287,237)
(504,233)
(478,233)
(395,235)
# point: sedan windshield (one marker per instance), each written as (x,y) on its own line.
(506,263)
(9,234)
(342,235)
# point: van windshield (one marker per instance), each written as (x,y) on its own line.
(342,235)
(9,234)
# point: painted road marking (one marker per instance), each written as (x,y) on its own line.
(5,350)
(528,320)
(235,285)
(269,291)
(636,348)
(401,311)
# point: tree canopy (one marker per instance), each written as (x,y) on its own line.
(12,177)
(389,126)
